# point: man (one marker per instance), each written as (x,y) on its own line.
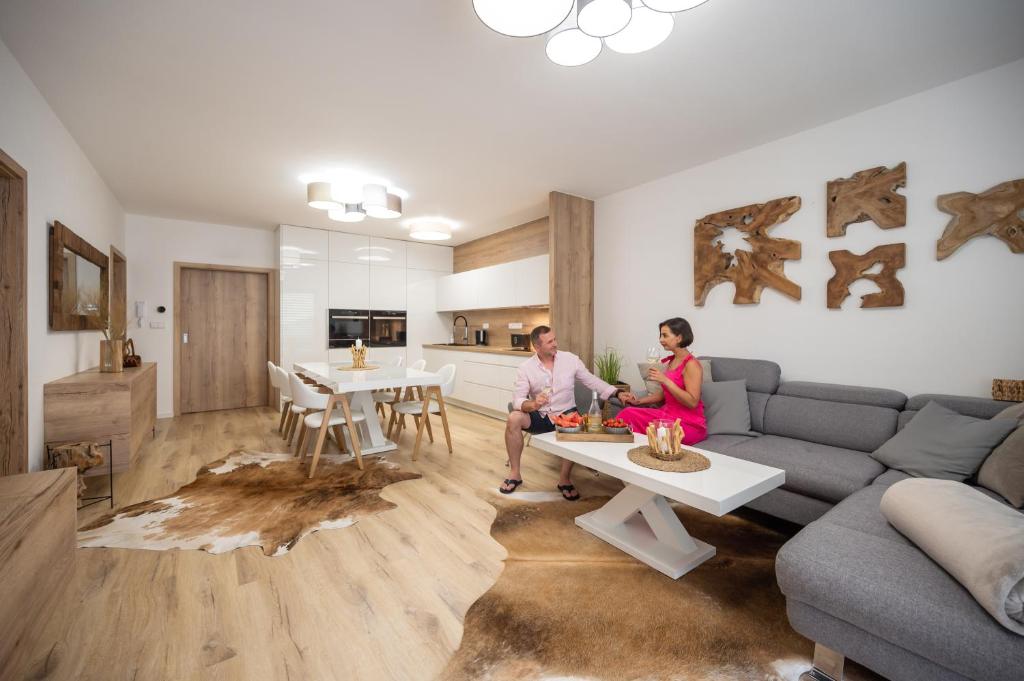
(545,385)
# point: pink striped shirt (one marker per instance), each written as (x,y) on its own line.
(532,377)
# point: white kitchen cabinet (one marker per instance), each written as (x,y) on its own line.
(345,247)
(532,281)
(302,244)
(429,257)
(424,323)
(387,288)
(388,252)
(459,291)
(303,320)
(496,286)
(481,380)
(349,286)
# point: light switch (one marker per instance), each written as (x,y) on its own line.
(515,325)
(156,325)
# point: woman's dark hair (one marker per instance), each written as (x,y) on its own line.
(679,327)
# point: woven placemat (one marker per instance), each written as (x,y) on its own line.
(368,367)
(690,463)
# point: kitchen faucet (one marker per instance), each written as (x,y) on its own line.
(465,331)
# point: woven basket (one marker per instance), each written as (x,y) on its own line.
(1008,389)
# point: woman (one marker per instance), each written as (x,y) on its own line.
(680,379)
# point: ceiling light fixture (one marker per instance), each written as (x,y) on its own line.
(318,195)
(430,230)
(378,202)
(602,18)
(522,18)
(646,30)
(569,46)
(352,212)
(673,5)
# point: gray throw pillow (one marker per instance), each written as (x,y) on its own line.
(726,408)
(941,443)
(1003,470)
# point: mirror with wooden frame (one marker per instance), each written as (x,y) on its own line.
(79,283)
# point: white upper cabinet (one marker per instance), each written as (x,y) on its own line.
(387,288)
(303,313)
(496,286)
(349,247)
(429,257)
(459,291)
(350,286)
(302,243)
(532,276)
(386,252)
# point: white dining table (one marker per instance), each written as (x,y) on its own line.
(359,385)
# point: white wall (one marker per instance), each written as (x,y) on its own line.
(153,246)
(963,320)
(64,186)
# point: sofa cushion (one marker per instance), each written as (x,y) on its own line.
(1003,470)
(761,375)
(940,443)
(722,442)
(850,426)
(726,408)
(758,402)
(851,394)
(852,565)
(815,470)
(978,407)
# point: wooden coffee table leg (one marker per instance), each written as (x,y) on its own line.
(643,524)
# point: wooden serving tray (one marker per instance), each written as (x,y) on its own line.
(593,437)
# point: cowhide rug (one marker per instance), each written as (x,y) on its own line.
(250,499)
(569,606)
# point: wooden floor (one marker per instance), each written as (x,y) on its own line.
(383,599)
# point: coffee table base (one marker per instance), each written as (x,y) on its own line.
(642,524)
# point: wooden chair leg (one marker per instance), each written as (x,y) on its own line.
(295,422)
(340,437)
(284,415)
(321,437)
(392,421)
(444,418)
(430,431)
(421,425)
(353,432)
(299,449)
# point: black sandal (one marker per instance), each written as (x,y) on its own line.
(510,481)
(566,490)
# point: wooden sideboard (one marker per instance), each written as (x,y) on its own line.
(96,406)
(37,547)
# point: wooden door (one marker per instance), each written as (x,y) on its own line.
(223,339)
(13,324)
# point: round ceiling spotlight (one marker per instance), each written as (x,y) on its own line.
(569,46)
(430,230)
(646,30)
(673,5)
(318,195)
(522,18)
(352,212)
(602,18)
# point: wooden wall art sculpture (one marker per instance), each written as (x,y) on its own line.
(749,271)
(999,212)
(867,195)
(851,267)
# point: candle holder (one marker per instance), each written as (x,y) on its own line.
(359,357)
(665,439)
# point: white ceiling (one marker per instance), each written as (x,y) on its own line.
(210,110)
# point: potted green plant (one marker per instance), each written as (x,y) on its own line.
(607,367)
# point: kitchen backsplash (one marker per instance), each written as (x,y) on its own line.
(499,335)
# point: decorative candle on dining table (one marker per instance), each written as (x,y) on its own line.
(359,355)
(665,439)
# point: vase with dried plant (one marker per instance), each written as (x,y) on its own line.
(112,347)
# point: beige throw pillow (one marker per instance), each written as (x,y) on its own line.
(1014,411)
(1003,470)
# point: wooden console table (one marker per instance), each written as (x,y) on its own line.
(95,406)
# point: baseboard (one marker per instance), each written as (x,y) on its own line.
(485,411)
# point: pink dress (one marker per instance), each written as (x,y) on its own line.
(695,427)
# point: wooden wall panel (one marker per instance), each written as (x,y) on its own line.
(499,335)
(571,233)
(523,241)
(13,324)
(37,560)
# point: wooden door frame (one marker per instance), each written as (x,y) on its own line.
(14,315)
(273,328)
(114,257)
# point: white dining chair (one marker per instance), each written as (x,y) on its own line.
(324,416)
(382,397)
(285,402)
(294,411)
(431,402)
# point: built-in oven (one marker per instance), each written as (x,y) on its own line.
(387,328)
(345,326)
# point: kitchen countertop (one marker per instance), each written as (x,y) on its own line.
(491,350)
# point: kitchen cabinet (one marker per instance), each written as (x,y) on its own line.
(387,288)
(300,244)
(495,286)
(303,294)
(519,283)
(349,286)
(459,291)
(532,281)
(388,252)
(482,380)
(424,323)
(429,257)
(354,248)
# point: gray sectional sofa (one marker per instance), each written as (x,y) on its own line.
(853,584)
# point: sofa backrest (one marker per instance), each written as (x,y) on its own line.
(852,417)
(762,379)
(978,407)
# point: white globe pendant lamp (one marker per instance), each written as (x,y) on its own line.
(522,18)
(646,30)
(673,5)
(352,212)
(602,18)
(569,46)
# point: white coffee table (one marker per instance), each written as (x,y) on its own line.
(639,520)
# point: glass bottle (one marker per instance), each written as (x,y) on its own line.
(594,415)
